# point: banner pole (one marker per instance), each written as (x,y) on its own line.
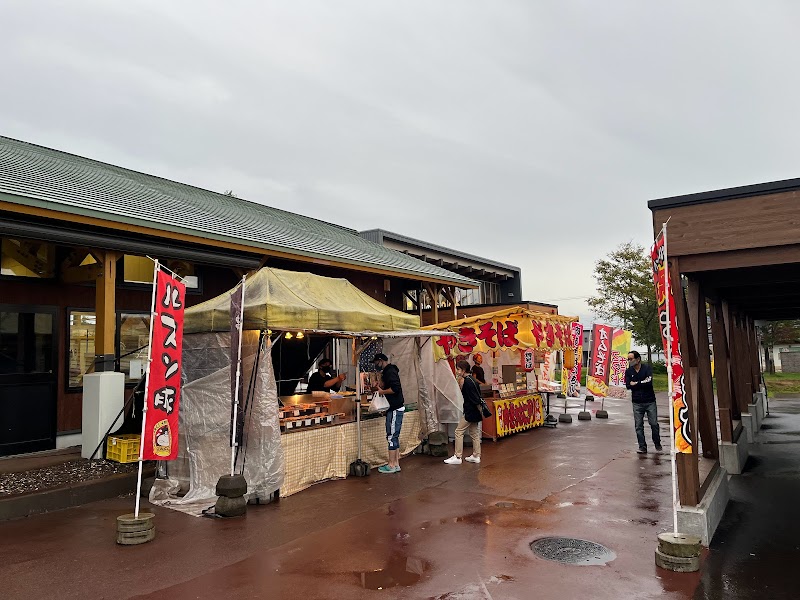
(236,392)
(156,267)
(667,292)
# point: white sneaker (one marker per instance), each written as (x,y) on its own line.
(473,459)
(453,460)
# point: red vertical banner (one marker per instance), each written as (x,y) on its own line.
(571,381)
(164,374)
(669,328)
(600,360)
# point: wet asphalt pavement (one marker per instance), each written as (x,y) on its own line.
(756,551)
(433,531)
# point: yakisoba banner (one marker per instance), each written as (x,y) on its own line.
(504,331)
(683,440)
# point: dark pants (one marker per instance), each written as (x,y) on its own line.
(639,411)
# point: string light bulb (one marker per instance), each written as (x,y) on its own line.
(300,335)
(288,335)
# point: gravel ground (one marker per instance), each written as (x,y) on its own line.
(46,478)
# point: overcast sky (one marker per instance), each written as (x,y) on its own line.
(532,133)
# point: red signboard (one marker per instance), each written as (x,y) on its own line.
(164,371)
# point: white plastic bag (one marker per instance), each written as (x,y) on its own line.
(378,403)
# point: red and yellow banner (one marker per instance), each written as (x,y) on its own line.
(164,371)
(571,380)
(669,329)
(518,414)
(600,360)
(504,331)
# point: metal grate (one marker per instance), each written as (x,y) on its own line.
(572,551)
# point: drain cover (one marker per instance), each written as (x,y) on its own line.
(572,551)
(505,504)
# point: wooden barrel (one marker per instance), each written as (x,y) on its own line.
(132,531)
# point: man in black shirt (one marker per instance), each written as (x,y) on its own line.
(393,390)
(324,379)
(639,379)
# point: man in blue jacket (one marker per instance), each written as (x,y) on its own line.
(639,379)
(393,390)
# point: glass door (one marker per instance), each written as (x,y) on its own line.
(28,378)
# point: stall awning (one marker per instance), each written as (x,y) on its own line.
(290,300)
(509,329)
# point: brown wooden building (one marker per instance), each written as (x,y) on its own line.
(734,260)
(75,280)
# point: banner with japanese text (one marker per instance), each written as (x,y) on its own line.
(518,414)
(164,371)
(571,379)
(600,360)
(513,333)
(620,346)
(669,329)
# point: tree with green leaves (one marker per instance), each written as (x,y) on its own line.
(625,294)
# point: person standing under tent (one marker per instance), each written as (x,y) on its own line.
(477,369)
(324,379)
(471,420)
(393,390)
(639,379)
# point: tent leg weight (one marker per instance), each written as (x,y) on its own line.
(231,507)
(231,486)
(132,531)
(564,418)
(601,414)
(584,415)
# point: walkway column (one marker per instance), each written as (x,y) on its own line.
(722,372)
(103,390)
(105,309)
(687,464)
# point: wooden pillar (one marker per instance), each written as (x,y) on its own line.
(737,384)
(743,367)
(752,338)
(105,310)
(687,464)
(707,417)
(722,373)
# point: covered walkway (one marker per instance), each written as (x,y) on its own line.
(756,547)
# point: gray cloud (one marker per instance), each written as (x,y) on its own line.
(531,133)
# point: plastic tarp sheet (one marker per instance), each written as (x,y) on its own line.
(204,424)
(405,353)
(442,386)
(290,300)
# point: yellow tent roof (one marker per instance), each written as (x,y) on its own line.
(290,300)
(515,311)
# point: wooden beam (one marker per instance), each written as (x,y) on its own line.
(722,373)
(696,304)
(688,464)
(105,310)
(737,390)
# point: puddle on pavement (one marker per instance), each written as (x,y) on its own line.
(401,571)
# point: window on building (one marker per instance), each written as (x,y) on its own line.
(81,346)
(26,342)
(133,339)
(468,297)
(133,332)
(490,293)
(27,258)
(139,269)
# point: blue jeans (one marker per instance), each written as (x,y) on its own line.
(394,421)
(639,411)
